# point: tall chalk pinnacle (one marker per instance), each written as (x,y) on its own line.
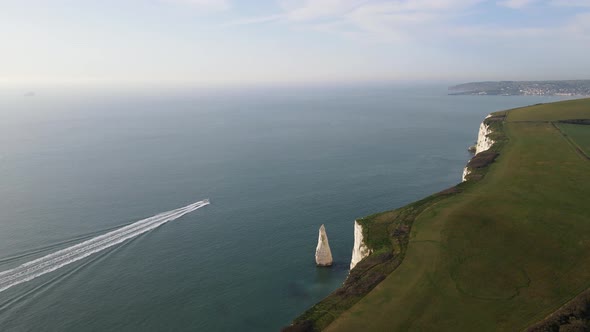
(323,254)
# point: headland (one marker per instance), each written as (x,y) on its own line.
(500,251)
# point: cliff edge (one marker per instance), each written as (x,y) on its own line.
(381,240)
(360,249)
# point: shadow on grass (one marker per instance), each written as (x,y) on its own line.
(573,316)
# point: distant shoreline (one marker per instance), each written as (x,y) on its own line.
(569,88)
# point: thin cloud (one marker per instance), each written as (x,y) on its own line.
(571,3)
(516,4)
(255,20)
(411,20)
(576,28)
(365,19)
(308,10)
(395,20)
(580,25)
(204,5)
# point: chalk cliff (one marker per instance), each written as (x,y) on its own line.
(323,254)
(360,249)
(484,142)
(466,171)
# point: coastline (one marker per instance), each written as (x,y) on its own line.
(381,239)
(505,255)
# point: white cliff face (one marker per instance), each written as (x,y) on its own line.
(323,254)
(483,143)
(466,171)
(360,249)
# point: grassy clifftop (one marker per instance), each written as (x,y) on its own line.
(497,254)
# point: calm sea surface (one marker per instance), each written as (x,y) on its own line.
(276,163)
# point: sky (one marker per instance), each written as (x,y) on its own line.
(218,42)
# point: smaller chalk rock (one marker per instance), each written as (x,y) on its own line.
(323,254)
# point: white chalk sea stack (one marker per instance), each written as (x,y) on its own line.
(323,254)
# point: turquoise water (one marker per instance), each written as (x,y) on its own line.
(276,163)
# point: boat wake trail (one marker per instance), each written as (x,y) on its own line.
(35,268)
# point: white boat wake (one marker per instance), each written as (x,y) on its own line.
(35,268)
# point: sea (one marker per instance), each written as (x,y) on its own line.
(276,162)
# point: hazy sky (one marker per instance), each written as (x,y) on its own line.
(239,41)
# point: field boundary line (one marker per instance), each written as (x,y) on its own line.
(576,147)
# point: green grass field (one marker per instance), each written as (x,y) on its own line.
(571,109)
(579,134)
(508,250)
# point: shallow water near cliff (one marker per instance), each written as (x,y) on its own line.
(275,162)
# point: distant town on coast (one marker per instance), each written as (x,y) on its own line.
(524,88)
